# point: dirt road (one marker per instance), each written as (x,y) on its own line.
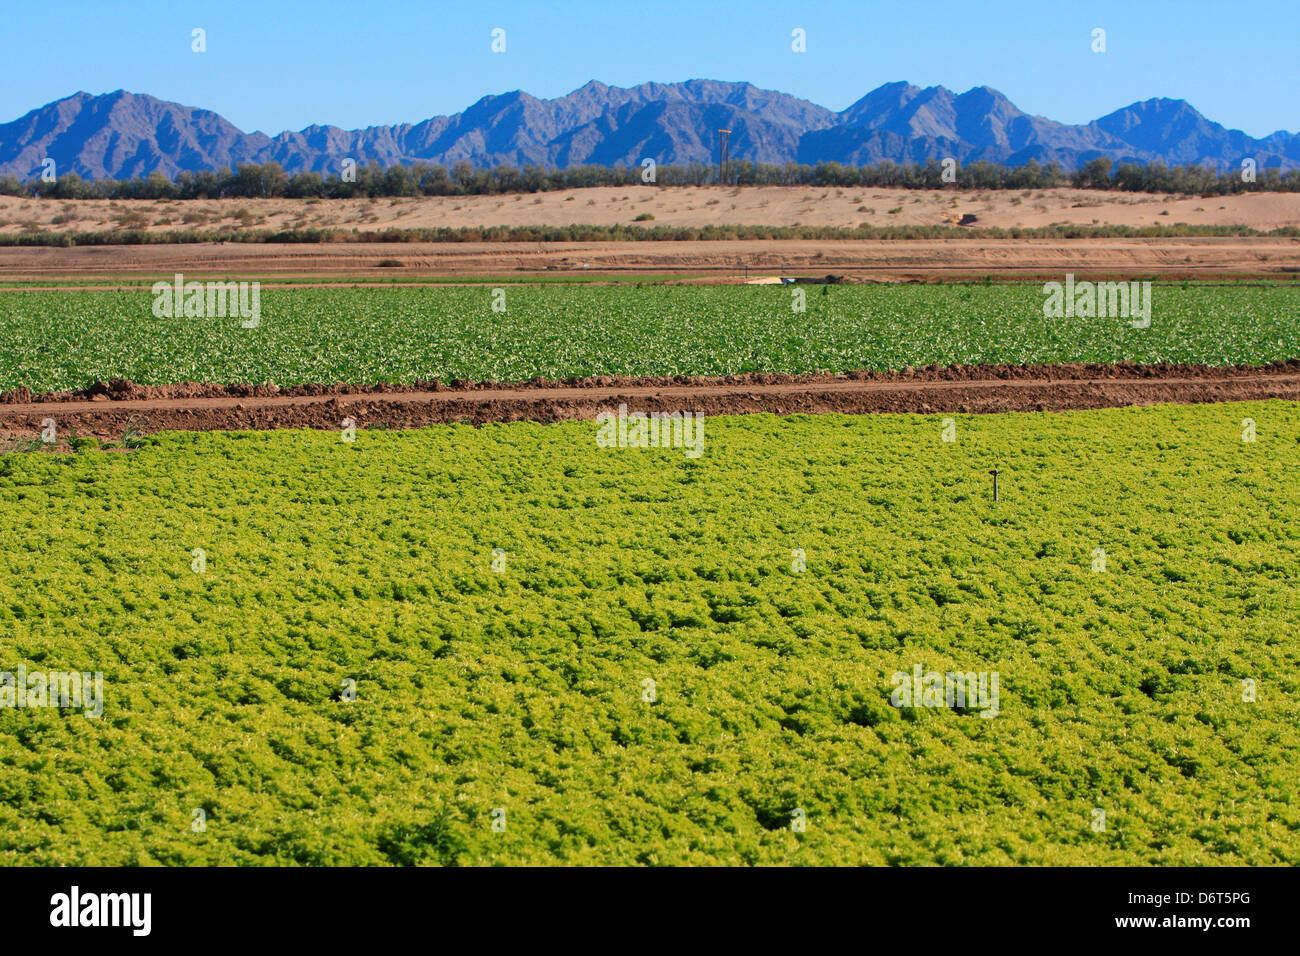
(880,260)
(105,409)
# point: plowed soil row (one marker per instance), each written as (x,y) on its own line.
(105,409)
(882,260)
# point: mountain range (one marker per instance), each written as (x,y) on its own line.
(122,135)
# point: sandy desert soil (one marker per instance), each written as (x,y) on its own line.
(670,206)
(674,206)
(105,409)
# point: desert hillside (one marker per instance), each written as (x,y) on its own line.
(668,205)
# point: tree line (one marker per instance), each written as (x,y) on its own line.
(269,180)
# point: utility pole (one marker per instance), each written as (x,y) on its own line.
(724,155)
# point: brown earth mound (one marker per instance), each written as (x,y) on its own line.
(105,409)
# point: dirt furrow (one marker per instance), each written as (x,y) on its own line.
(106,410)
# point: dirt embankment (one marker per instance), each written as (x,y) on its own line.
(667,206)
(105,410)
(733,260)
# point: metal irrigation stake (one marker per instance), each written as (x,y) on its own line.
(994,473)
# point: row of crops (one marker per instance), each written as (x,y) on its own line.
(434,646)
(67,339)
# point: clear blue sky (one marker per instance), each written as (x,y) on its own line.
(281,64)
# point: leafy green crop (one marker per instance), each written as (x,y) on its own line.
(67,339)
(523,690)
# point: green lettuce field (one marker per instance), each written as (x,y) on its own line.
(68,339)
(519,696)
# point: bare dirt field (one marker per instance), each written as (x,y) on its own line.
(105,409)
(669,206)
(882,260)
(730,260)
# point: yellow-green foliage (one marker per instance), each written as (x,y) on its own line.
(523,689)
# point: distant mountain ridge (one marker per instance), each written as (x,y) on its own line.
(121,135)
